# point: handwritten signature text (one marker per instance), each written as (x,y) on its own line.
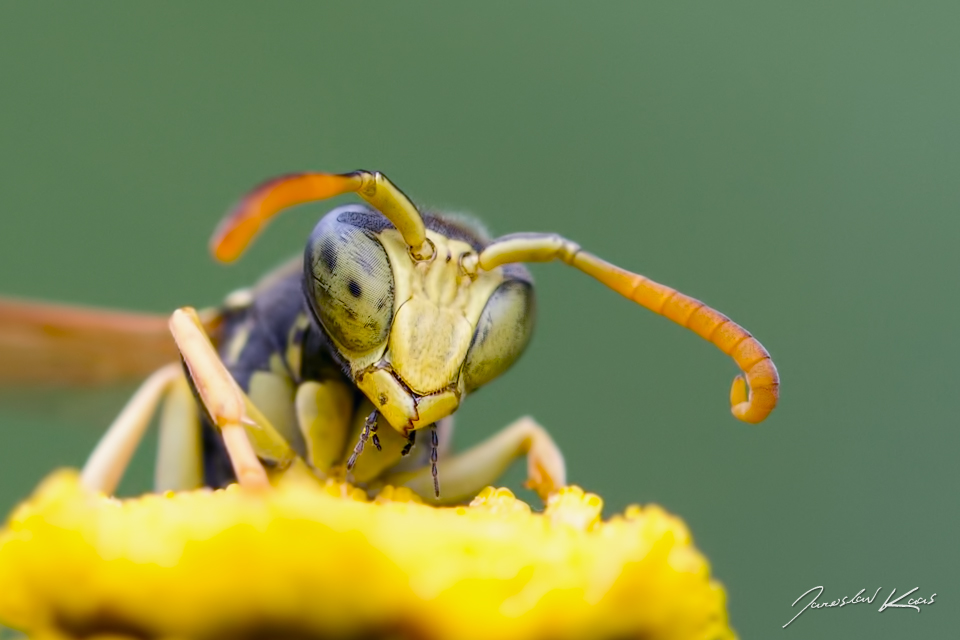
(890,603)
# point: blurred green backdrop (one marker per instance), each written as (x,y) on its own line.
(795,166)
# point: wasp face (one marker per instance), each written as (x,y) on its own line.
(415,333)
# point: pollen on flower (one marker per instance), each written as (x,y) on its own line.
(502,500)
(573,507)
(321,560)
(396,494)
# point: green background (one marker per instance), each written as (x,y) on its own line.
(794,165)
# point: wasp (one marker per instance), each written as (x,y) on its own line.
(391,318)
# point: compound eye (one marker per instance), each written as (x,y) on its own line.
(502,333)
(350,283)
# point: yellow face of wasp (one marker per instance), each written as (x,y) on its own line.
(415,334)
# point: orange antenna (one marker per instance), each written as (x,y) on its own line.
(760,374)
(241,225)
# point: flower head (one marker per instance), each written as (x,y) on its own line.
(312,560)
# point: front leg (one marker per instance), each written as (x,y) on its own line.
(248,435)
(109,459)
(324,411)
(179,465)
(463,476)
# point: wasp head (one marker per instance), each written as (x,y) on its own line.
(414,332)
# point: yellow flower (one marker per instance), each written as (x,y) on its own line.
(309,560)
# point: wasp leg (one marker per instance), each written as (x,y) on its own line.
(465,474)
(179,452)
(324,411)
(247,435)
(105,466)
